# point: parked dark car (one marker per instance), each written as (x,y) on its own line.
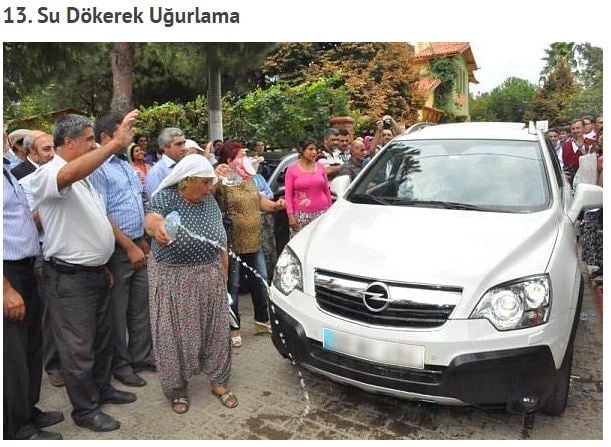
(273,169)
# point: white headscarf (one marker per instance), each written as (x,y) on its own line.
(193,165)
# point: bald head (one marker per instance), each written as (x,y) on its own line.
(40,146)
(30,137)
(357,151)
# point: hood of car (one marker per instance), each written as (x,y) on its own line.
(468,249)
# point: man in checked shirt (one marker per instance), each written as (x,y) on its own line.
(121,192)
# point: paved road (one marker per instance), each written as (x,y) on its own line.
(272,403)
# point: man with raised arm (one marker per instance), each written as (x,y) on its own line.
(77,243)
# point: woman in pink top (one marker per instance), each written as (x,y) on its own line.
(306,188)
(136,155)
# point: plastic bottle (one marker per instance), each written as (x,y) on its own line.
(232,178)
(172,222)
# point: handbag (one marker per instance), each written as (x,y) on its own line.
(588,170)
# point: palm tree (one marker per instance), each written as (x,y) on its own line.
(558,53)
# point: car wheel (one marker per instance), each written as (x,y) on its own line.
(555,403)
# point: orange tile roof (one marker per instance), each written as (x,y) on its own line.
(442,49)
(426,86)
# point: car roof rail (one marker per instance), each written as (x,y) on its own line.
(418,126)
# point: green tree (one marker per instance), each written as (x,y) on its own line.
(72,75)
(511,101)
(558,53)
(481,108)
(234,57)
(167,72)
(290,62)
(552,100)
(190,116)
(379,77)
(591,62)
(445,70)
(282,115)
(589,100)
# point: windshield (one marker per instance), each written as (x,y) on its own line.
(485,175)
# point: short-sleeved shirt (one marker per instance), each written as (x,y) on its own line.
(306,191)
(77,229)
(201,219)
(121,191)
(241,204)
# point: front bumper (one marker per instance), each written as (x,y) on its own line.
(486,379)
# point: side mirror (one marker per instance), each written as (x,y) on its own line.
(586,196)
(339,185)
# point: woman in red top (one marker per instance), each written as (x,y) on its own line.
(306,188)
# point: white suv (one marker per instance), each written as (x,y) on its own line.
(446,272)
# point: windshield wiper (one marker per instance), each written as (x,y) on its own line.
(440,204)
(366,198)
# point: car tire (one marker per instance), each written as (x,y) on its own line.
(555,404)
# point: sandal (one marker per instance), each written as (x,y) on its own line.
(236,341)
(228,399)
(180,405)
(263,328)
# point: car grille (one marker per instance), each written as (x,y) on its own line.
(342,295)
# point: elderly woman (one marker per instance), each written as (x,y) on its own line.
(242,204)
(187,277)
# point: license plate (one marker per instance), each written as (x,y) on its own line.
(379,351)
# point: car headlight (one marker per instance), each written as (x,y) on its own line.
(287,274)
(516,305)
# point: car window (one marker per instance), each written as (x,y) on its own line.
(555,162)
(493,175)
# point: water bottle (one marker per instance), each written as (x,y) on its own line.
(232,178)
(255,162)
(248,166)
(172,222)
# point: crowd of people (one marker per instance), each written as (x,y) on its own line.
(98,286)
(582,139)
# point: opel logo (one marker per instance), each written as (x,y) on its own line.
(376,297)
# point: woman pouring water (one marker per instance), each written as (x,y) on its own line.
(187,279)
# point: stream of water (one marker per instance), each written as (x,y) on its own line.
(274,322)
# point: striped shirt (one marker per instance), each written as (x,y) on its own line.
(121,192)
(20,233)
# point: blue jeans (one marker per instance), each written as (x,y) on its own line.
(257,288)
